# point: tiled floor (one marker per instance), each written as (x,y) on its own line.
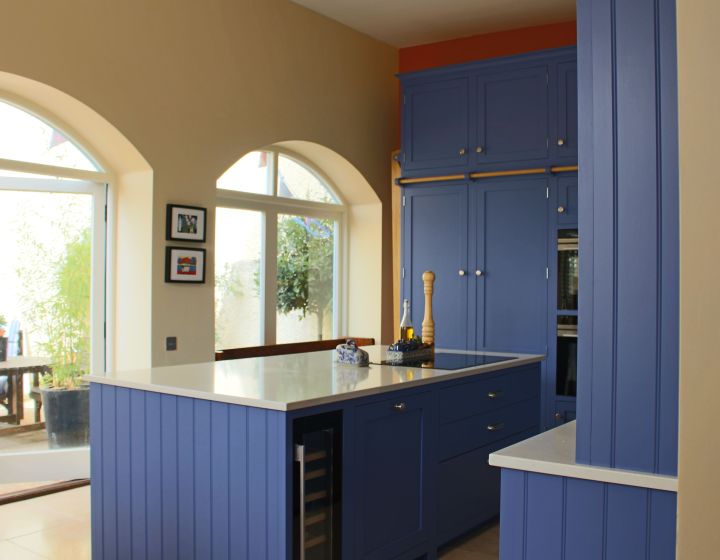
(55,526)
(58,527)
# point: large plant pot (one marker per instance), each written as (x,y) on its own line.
(67,417)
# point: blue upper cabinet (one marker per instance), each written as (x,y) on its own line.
(564,142)
(436,125)
(496,114)
(512,121)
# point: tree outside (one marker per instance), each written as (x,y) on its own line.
(306,251)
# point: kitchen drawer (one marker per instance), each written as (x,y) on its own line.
(489,393)
(468,491)
(470,433)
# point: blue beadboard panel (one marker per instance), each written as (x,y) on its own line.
(628,218)
(175,477)
(547,517)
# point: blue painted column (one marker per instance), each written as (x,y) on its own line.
(628,346)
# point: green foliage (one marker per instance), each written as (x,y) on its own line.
(3,322)
(305,266)
(65,314)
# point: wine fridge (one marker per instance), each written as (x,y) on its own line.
(317,486)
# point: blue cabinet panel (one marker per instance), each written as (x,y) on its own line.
(546,517)
(393,456)
(543,528)
(567,200)
(435,238)
(509,246)
(184,489)
(565,143)
(435,121)
(512,116)
(628,236)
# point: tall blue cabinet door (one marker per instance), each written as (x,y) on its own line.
(509,253)
(393,448)
(435,238)
(512,115)
(435,125)
(565,143)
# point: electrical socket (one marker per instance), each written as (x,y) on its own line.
(171,343)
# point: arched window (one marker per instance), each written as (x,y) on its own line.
(279,230)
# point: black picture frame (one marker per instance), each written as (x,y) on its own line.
(185,223)
(190,272)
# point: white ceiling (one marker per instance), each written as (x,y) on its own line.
(404,23)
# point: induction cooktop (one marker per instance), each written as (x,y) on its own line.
(449,361)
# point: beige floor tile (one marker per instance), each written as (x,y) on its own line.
(69,542)
(481,545)
(10,551)
(73,503)
(30,516)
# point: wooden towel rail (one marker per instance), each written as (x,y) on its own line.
(489,174)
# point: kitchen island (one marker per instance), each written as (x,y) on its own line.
(299,457)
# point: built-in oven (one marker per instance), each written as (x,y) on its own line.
(567,305)
(567,266)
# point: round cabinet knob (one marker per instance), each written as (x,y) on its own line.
(478,273)
(400,406)
(462,151)
(461,272)
(561,142)
(479,150)
(561,209)
(558,416)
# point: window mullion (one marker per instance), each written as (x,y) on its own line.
(270,278)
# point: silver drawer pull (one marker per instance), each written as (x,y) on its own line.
(495,394)
(496,427)
(400,406)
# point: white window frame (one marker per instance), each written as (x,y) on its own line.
(270,206)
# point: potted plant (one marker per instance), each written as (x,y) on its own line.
(3,339)
(66,320)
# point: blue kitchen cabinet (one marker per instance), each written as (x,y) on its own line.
(394,449)
(565,141)
(509,263)
(512,116)
(506,113)
(435,238)
(436,125)
(487,245)
(567,200)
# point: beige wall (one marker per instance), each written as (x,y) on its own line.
(699,468)
(194,85)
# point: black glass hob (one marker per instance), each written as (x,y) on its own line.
(449,360)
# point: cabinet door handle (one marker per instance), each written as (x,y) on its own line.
(561,142)
(495,394)
(461,272)
(462,151)
(561,209)
(496,427)
(478,272)
(400,406)
(479,150)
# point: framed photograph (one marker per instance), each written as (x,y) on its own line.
(184,265)
(185,223)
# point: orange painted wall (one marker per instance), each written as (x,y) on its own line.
(490,45)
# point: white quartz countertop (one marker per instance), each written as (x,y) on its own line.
(553,452)
(293,381)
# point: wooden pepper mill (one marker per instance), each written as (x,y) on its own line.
(428,325)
